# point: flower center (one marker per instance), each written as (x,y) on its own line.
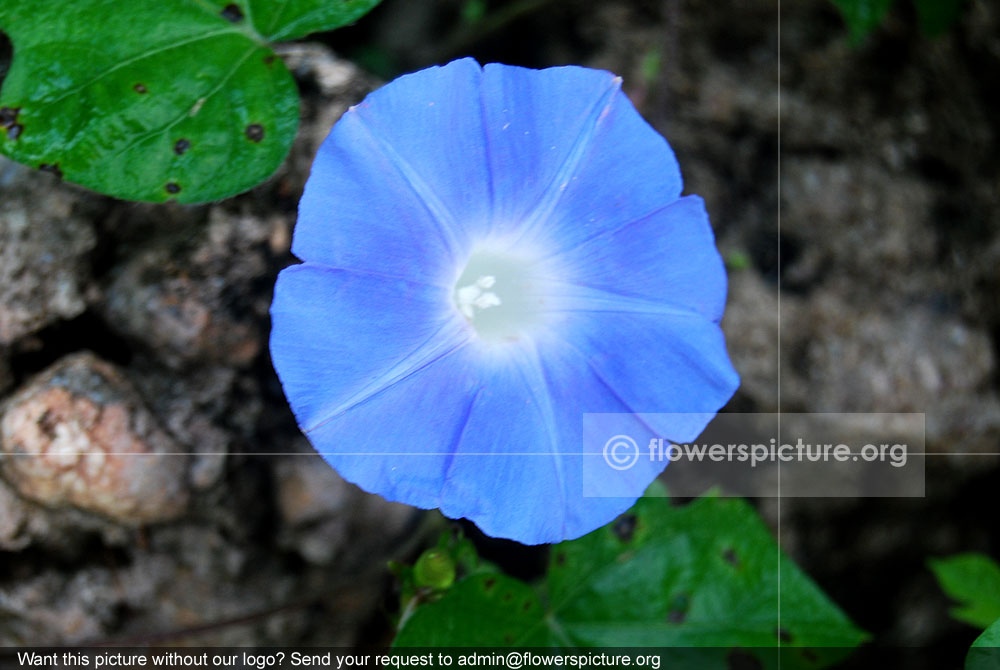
(495,294)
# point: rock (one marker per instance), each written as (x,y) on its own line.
(81,611)
(314,502)
(839,356)
(176,297)
(193,409)
(323,515)
(751,327)
(13,517)
(853,219)
(78,435)
(44,248)
(333,76)
(309,490)
(340,84)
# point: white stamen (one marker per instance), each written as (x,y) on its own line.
(473,296)
(487,300)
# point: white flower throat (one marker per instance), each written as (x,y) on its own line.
(497,296)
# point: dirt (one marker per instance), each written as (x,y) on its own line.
(861,181)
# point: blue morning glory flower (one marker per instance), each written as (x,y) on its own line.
(489,253)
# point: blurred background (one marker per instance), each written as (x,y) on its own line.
(861,179)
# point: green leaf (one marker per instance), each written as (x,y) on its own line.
(701,575)
(937,16)
(985,652)
(479,611)
(974,581)
(862,16)
(153,100)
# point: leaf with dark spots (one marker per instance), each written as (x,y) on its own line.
(255,132)
(678,608)
(172,187)
(232,13)
(489,583)
(624,527)
(676,591)
(783,635)
(730,557)
(673,591)
(181,146)
(192,70)
(8,116)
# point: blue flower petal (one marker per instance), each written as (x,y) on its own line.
(495,439)
(402,178)
(660,363)
(645,301)
(663,262)
(399,441)
(571,157)
(339,336)
(531,405)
